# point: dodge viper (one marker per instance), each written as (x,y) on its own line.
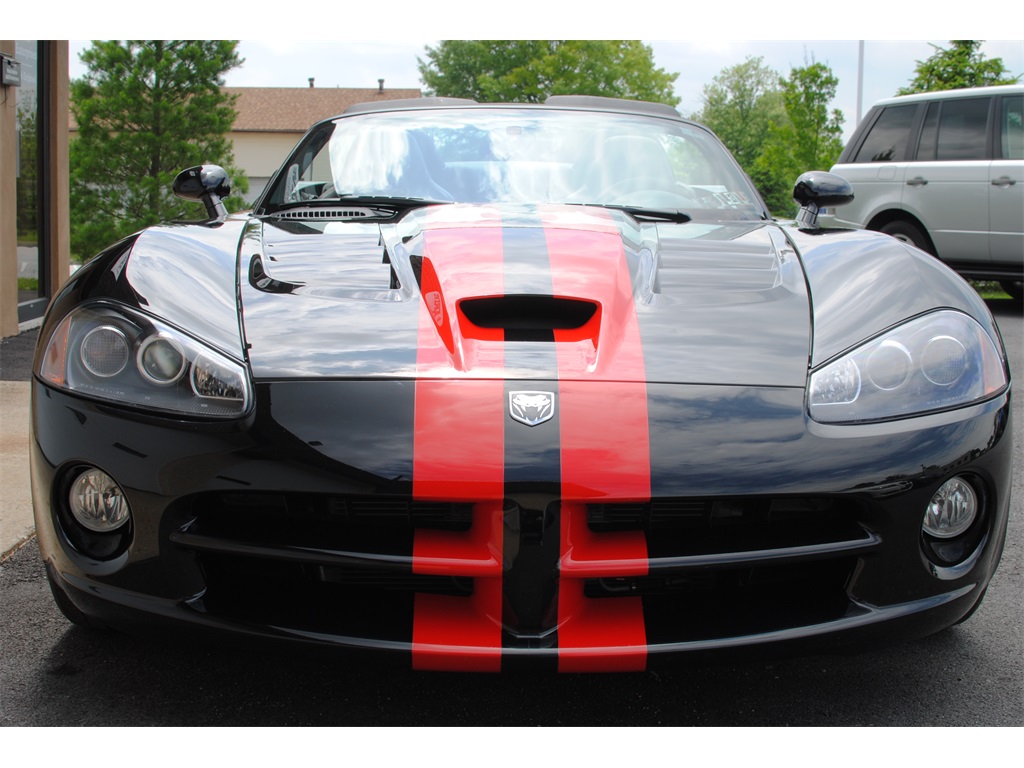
(485,386)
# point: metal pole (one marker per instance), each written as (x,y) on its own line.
(860,78)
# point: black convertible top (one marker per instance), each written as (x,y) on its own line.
(575,102)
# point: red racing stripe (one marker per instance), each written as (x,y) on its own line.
(461,633)
(456,462)
(605,449)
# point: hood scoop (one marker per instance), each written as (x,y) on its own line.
(526,318)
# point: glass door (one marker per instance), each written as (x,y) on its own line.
(31,174)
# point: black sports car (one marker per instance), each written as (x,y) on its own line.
(496,384)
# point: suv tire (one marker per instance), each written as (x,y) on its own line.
(908,233)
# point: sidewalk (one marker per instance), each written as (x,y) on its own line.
(16,524)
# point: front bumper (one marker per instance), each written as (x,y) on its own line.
(762,530)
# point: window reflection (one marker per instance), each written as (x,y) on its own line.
(1012,128)
(27,185)
(507,155)
(889,136)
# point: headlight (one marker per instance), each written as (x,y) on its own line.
(936,362)
(114,353)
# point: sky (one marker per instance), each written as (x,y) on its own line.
(888,64)
(696,40)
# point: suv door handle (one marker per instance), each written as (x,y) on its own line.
(1003,181)
(917,181)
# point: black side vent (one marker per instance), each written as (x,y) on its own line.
(528,318)
(311,213)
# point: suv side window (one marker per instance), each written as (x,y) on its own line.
(1011,128)
(959,131)
(889,136)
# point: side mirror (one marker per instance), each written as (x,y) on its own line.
(816,190)
(205,183)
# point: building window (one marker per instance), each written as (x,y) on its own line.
(34,171)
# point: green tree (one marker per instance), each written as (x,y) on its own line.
(817,130)
(532,70)
(959,66)
(740,104)
(809,139)
(145,110)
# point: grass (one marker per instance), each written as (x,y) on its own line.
(989,290)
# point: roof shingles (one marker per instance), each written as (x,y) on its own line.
(295,109)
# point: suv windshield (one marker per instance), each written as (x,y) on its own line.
(517,155)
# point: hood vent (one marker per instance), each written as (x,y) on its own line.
(319,213)
(528,318)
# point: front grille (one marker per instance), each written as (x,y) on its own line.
(323,520)
(358,540)
(730,529)
(704,568)
(694,513)
(694,526)
(727,567)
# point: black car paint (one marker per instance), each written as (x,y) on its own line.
(289,448)
(748,438)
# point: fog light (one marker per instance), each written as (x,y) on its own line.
(97,502)
(952,509)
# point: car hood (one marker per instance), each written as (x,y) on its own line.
(539,292)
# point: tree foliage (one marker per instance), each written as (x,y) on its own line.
(811,137)
(740,104)
(776,127)
(145,110)
(532,70)
(961,65)
(817,130)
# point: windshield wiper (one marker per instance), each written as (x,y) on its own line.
(657,214)
(639,212)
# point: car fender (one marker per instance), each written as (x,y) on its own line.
(862,283)
(184,274)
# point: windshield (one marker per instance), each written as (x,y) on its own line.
(516,155)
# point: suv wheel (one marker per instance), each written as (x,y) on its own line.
(908,233)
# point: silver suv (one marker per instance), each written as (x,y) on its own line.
(944,171)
